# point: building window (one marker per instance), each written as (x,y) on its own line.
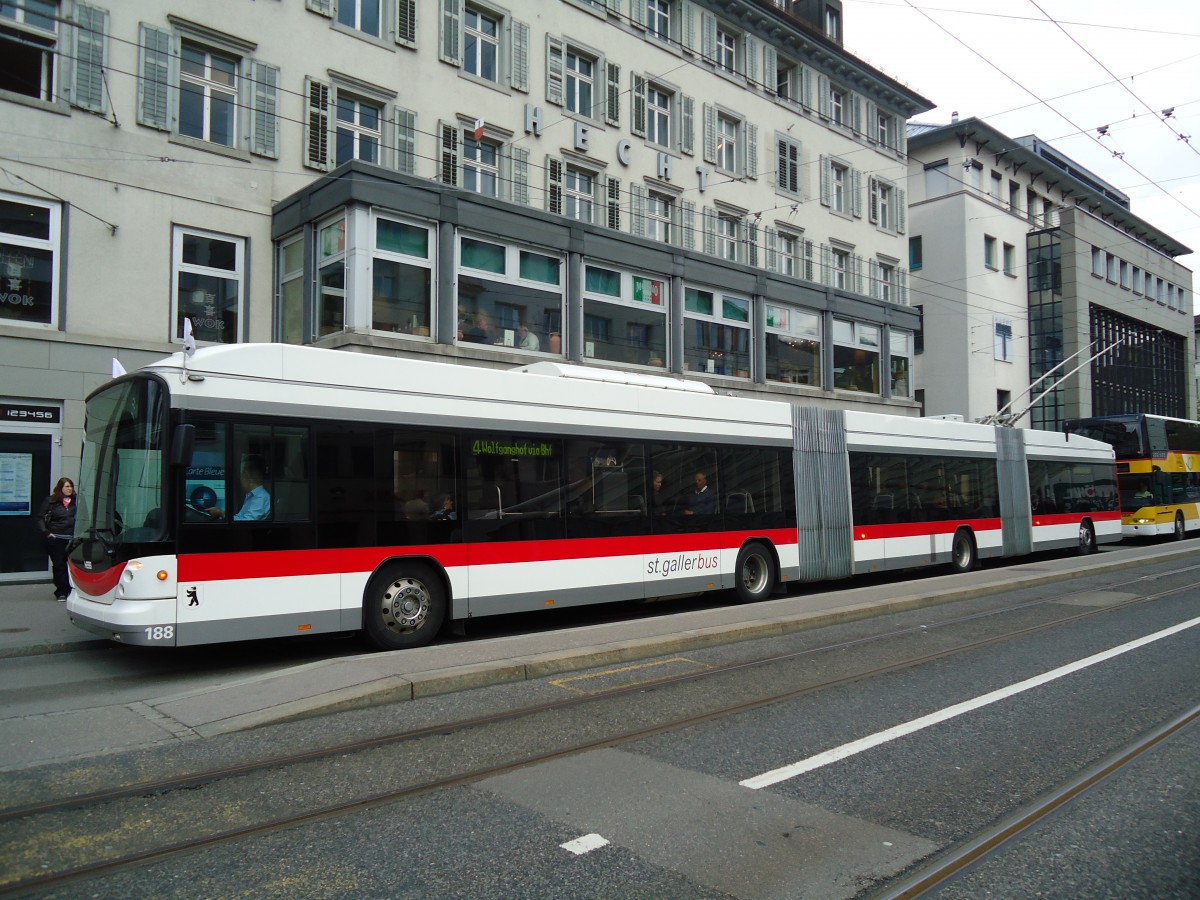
(330,314)
(916,253)
(716,333)
(886,281)
(839,175)
(658,18)
(360,15)
(900,353)
(1097,262)
(658,116)
(885,129)
(883,204)
(839,102)
(728,232)
(291,290)
(997,185)
(1124,274)
(481,166)
(841,268)
(833,24)
(481,44)
(30,236)
(855,356)
(727,43)
(787,172)
(727,143)
(208,275)
(660,209)
(789,254)
(624,317)
(989,251)
(1110,267)
(509,296)
(793,347)
(786,75)
(1137,280)
(1010,260)
(579,194)
(29,48)
(580,83)
(1014,197)
(1003,338)
(402,277)
(359,129)
(208,91)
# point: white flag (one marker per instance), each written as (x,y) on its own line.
(189,339)
(118,369)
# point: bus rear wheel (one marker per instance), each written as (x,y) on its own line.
(755,573)
(404,607)
(1180,529)
(963,555)
(1087,539)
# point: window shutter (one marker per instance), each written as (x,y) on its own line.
(710,133)
(856,270)
(750,60)
(87,90)
(772,238)
(708,31)
(639,14)
(264,119)
(827,264)
(901,131)
(154,78)
(518,77)
(872,123)
(901,211)
(520,175)
(806,87)
(449,133)
(613,189)
(406,23)
(406,141)
(751,155)
(687,124)
(638,99)
(752,243)
(554,70)
(554,185)
(316,128)
(710,231)
(902,287)
(687,27)
(451,43)
(876,288)
(688,224)
(856,191)
(322,7)
(826,179)
(808,261)
(612,104)
(770,69)
(856,113)
(873,189)
(638,196)
(614,6)
(823,94)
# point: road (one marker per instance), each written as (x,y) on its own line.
(834,762)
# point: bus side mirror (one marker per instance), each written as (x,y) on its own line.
(181,445)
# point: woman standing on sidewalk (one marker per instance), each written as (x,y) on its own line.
(56,521)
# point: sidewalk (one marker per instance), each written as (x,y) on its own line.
(36,622)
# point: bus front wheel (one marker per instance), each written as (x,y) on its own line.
(1180,530)
(1087,539)
(963,556)
(404,607)
(755,575)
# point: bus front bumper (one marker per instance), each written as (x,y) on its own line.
(141,623)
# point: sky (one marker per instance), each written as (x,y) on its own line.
(1061,70)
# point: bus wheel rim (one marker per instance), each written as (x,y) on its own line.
(406,604)
(754,573)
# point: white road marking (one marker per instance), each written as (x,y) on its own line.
(585,844)
(882,737)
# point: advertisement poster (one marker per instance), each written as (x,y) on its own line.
(16,476)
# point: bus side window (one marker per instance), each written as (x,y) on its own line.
(289,463)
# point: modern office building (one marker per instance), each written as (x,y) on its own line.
(1024,264)
(700,190)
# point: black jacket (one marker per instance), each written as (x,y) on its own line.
(62,518)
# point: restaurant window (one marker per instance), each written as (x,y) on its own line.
(509,296)
(716,333)
(624,317)
(402,277)
(291,290)
(855,356)
(793,345)
(30,232)
(209,282)
(331,277)
(900,350)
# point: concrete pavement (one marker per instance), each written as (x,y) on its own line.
(33,622)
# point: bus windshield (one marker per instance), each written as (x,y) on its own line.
(1124,436)
(120,485)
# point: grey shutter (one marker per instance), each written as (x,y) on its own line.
(770,69)
(614,6)
(876,287)
(687,124)
(322,7)
(872,123)
(613,189)
(901,128)
(806,87)
(450,46)
(902,287)
(637,97)
(406,23)
(520,175)
(827,265)
(873,190)
(638,195)
(710,133)
(687,27)
(638,9)
(856,265)
(518,77)
(708,31)
(554,185)
(823,94)
(87,89)
(554,70)
(752,243)
(826,179)
(856,113)
(807,274)
(449,141)
(688,224)
(710,231)
(750,59)
(264,118)
(154,78)
(772,238)
(789,167)
(316,124)
(612,104)
(751,154)
(901,210)
(406,141)
(856,190)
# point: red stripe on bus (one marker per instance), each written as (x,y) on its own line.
(96,584)
(1076,518)
(282,563)
(922,529)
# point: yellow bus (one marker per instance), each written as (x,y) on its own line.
(1158,470)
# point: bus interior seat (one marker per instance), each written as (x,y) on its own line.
(739,502)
